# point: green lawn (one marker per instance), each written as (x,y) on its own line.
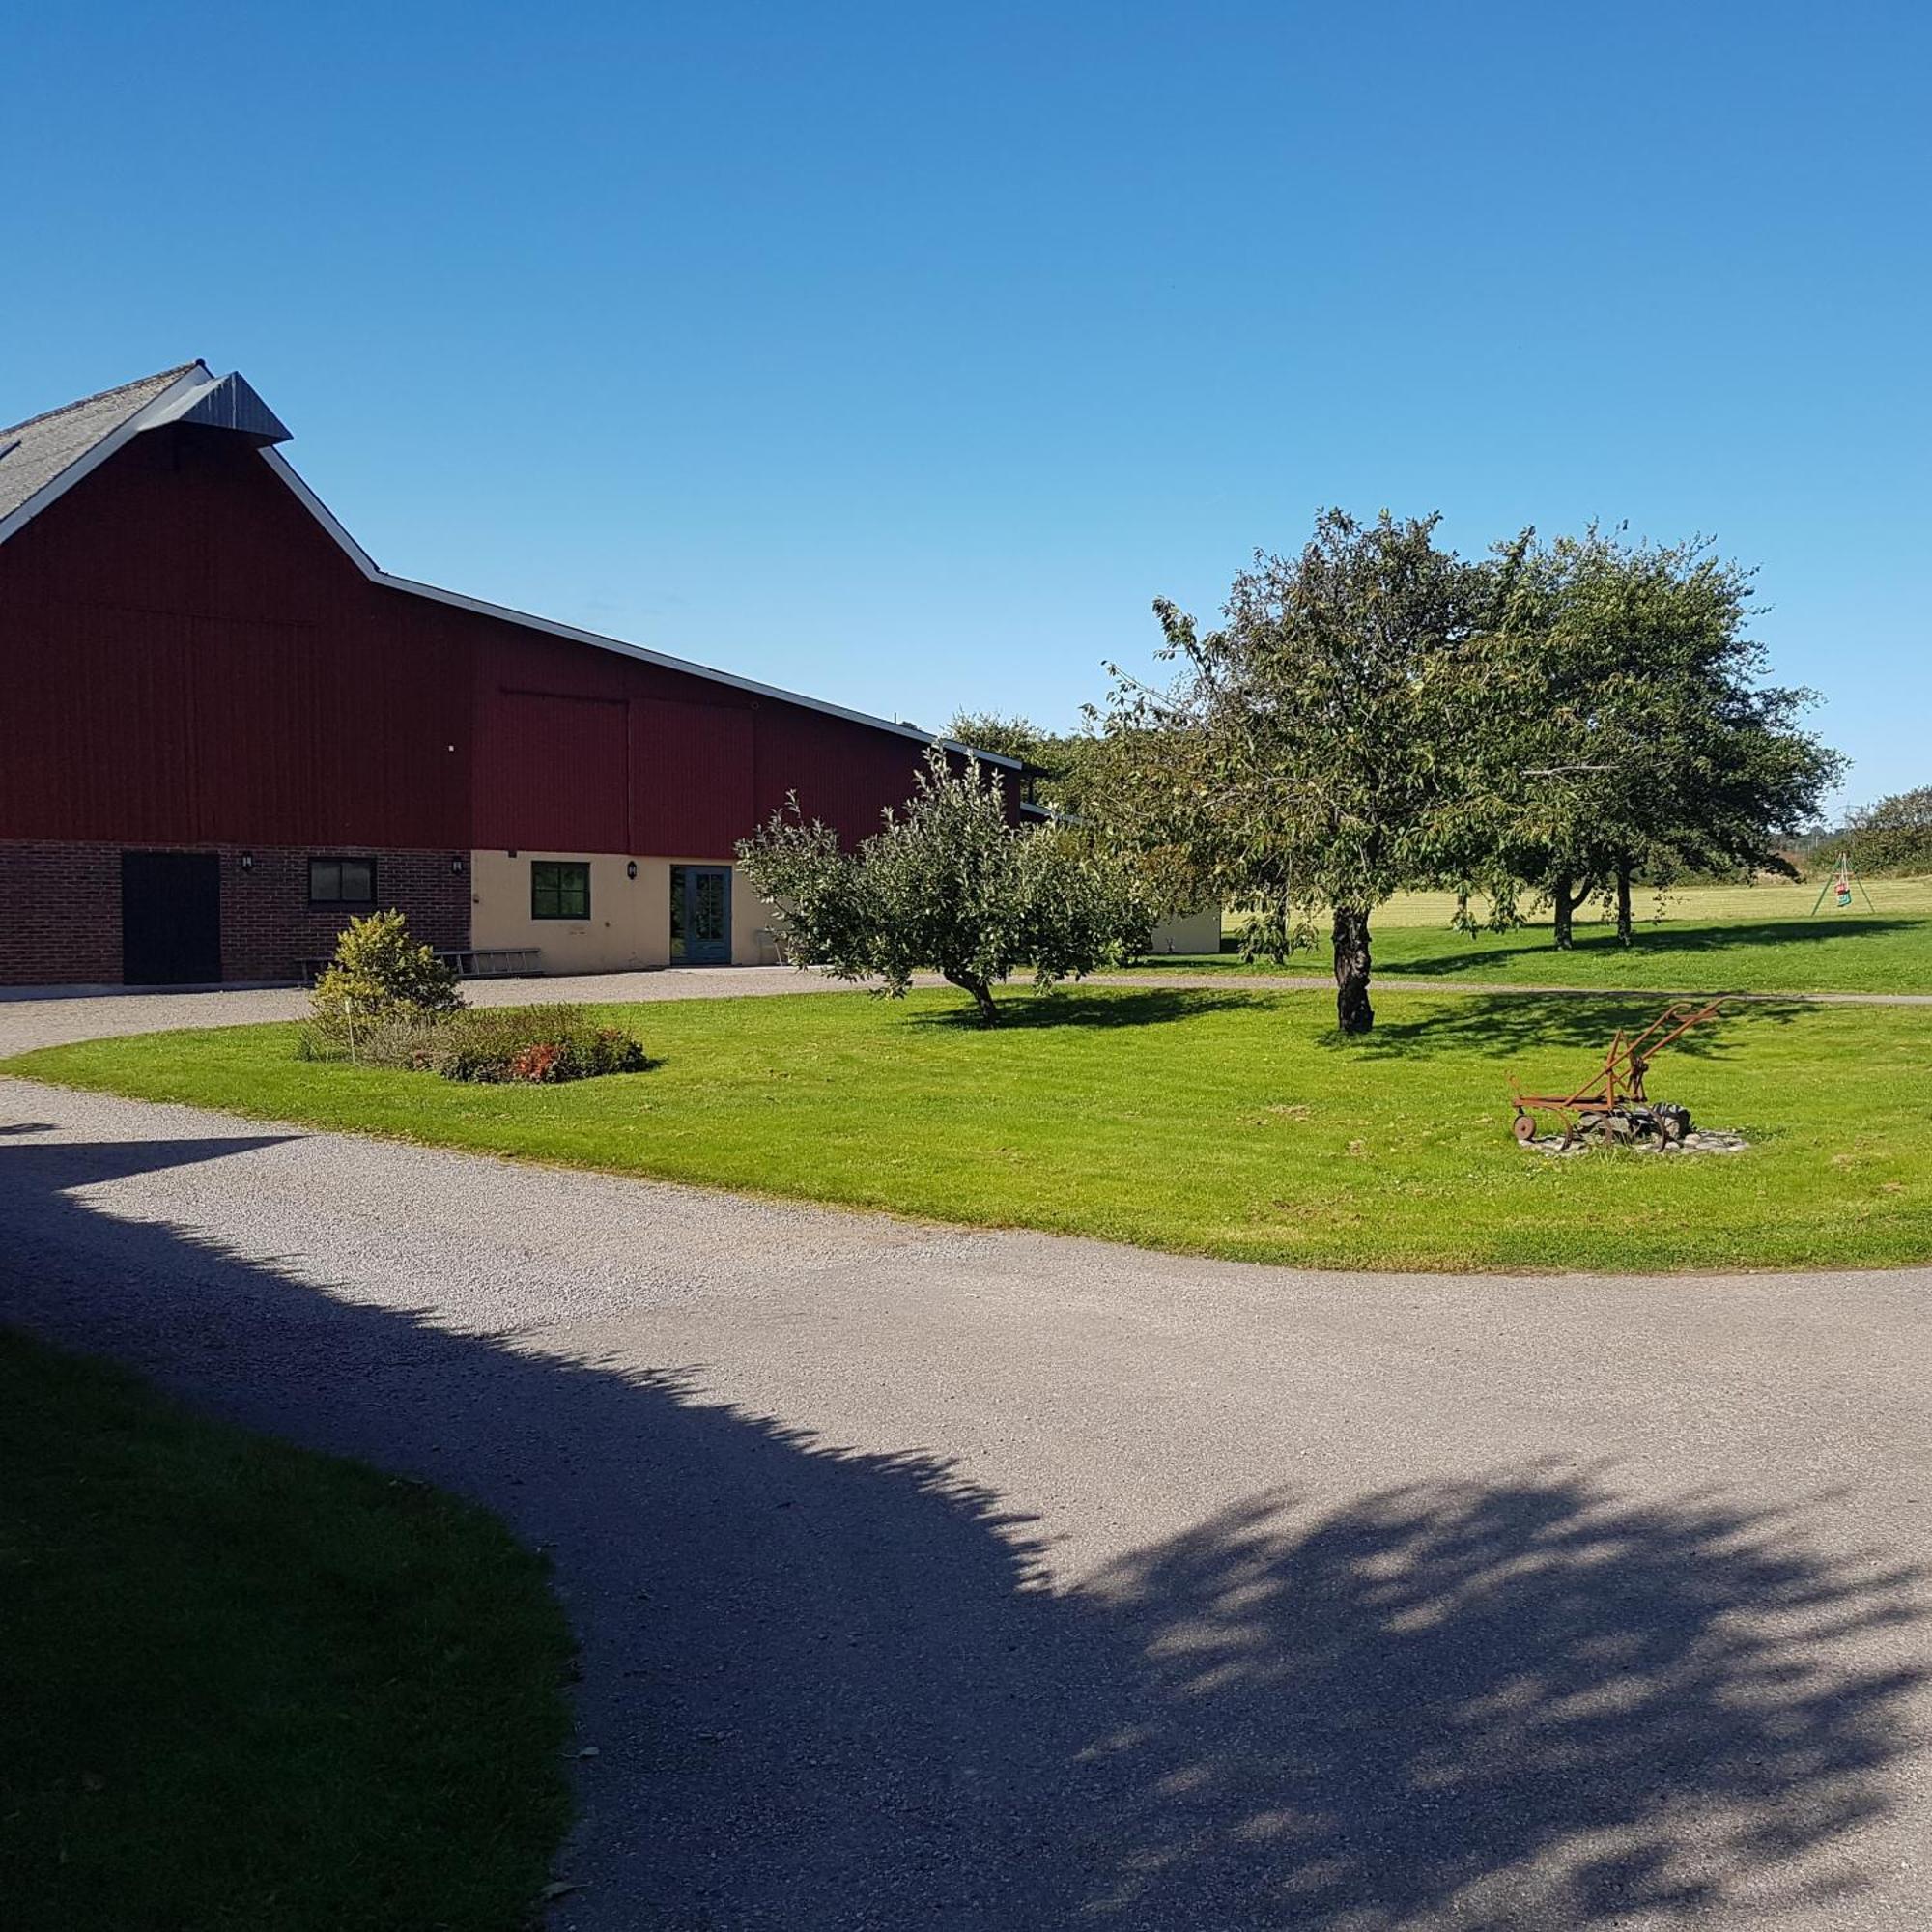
(1227,1122)
(1726,939)
(244,1686)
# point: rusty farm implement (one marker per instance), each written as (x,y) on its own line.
(1612,1104)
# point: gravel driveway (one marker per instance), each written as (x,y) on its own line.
(51,1018)
(989,1581)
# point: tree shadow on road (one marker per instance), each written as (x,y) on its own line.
(1523,1698)
(832,1688)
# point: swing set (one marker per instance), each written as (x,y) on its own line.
(1838,888)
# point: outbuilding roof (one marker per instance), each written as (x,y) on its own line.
(44,457)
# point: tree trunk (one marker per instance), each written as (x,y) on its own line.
(983,996)
(1624,935)
(1352,1012)
(1565,912)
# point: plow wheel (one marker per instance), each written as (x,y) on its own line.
(1524,1126)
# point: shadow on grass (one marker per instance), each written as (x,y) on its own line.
(1521,948)
(832,1687)
(1512,1024)
(1022,1009)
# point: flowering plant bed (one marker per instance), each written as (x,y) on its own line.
(507,1046)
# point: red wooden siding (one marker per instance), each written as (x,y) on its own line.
(840,775)
(692,795)
(552,772)
(188,658)
(97,724)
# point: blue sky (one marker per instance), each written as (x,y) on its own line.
(902,355)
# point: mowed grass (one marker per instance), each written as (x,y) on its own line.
(1722,939)
(244,1686)
(1228,1123)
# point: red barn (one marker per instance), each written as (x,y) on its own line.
(225,732)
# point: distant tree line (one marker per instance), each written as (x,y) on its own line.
(1890,838)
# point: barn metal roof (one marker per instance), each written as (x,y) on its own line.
(44,457)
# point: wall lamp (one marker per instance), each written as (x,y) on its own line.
(247,861)
(456,865)
(631,870)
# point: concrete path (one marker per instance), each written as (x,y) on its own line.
(942,1580)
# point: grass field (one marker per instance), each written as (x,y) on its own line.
(1718,939)
(244,1686)
(1227,1122)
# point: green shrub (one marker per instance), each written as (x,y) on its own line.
(385,1001)
(380,984)
(951,885)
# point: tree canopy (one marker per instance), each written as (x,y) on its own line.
(1624,710)
(951,884)
(1057,757)
(1309,751)
(1378,713)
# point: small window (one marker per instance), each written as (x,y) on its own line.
(341,882)
(560,889)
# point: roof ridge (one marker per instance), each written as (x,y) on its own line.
(161,376)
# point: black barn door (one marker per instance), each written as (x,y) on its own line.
(170,918)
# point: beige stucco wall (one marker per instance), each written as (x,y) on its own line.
(1193,932)
(751,925)
(630,918)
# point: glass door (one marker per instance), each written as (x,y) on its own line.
(701,915)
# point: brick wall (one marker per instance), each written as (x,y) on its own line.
(60,908)
(59,913)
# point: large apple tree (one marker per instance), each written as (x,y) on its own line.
(1324,746)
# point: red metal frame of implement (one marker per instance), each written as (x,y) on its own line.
(1614,1099)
